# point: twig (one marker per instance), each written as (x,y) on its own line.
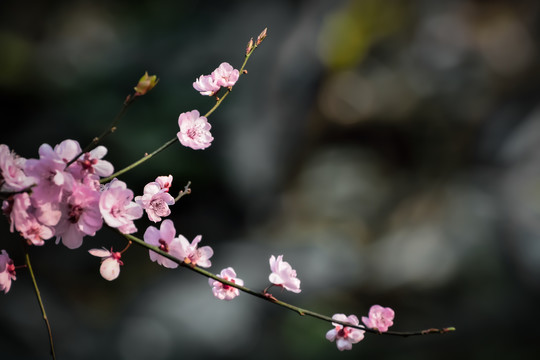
(40,301)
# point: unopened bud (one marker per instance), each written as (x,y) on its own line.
(249,46)
(146,83)
(261,36)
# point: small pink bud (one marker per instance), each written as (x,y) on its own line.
(249,46)
(146,83)
(261,36)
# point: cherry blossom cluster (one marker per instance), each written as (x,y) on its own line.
(224,76)
(66,194)
(379,319)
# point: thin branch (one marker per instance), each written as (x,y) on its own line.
(186,191)
(40,301)
(112,128)
(268,297)
(175,139)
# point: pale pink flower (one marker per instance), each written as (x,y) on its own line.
(49,175)
(23,219)
(117,209)
(7,272)
(225,75)
(165,240)
(12,175)
(380,318)
(194,130)
(87,163)
(165,182)
(67,150)
(283,275)
(343,335)
(224,291)
(110,263)
(155,201)
(81,216)
(206,85)
(192,254)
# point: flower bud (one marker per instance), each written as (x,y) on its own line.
(146,83)
(249,46)
(261,36)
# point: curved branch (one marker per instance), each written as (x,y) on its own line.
(272,299)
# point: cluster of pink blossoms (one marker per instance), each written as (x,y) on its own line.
(224,76)
(194,128)
(53,199)
(59,195)
(379,318)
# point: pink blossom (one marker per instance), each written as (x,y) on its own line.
(87,163)
(12,175)
(224,291)
(194,130)
(164,182)
(191,254)
(23,219)
(345,336)
(67,150)
(81,216)
(117,209)
(49,174)
(165,240)
(155,201)
(110,263)
(380,318)
(7,272)
(206,85)
(225,75)
(283,275)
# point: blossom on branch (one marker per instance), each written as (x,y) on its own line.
(225,75)
(80,215)
(345,336)
(380,318)
(192,254)
(24,220)
(156,200)
(283,274)
(50,175)
(206,85)
(164,182)
(110,263)
(165,240)
(194,130)
(116,207)
(7,272)
(224,291)
(12,175)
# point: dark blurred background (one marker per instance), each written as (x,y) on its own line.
(389,149)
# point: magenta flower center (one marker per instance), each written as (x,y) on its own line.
(163,246)
(87,163)
(75,213)
(344,332)
(193,133)
(11,268)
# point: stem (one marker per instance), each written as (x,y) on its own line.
(186,191)
(140,161)
(110,129)
(268,297)
(40,301)
(175,139)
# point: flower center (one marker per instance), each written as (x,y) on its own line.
(75,213)
(163,246)
(344,332)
